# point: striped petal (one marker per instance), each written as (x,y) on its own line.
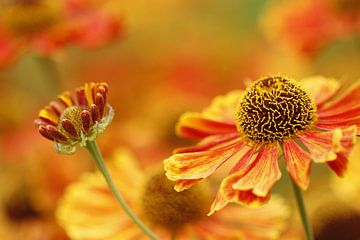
(348,101)
(321,88)
(339,165)
(196,165)
(298,163)
(250,180)
(324,146)
(195,126)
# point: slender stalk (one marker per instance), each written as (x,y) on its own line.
(95,153)
(302,211)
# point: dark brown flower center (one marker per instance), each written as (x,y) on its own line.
(163,206)
(26,17)
(273,109)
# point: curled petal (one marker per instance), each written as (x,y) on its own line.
(94,112)
(184,184)
(48,115)
(66,99)
(56,134)
(81,97)
(195,126)
(100,102)
(69,127)
(85,120)
(321,88)
(43,131)
(298,163)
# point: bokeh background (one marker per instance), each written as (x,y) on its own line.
(166,58)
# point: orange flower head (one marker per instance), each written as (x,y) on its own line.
(275,117)
(274,109)
(164,207)
(26,17)
(76,121)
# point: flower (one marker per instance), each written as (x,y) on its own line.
(310,26)
(76,121)
(250,127)
(89,211)
(47,25)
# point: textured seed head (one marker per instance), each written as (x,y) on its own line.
(72,114)
(163,206)
(273,109)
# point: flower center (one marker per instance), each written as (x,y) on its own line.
(26,17)
(273,109)
(74,115)
(163,206)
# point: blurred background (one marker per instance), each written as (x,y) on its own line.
(160,58)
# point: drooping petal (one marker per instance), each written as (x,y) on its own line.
(298,163)
(263,173)
(321,88)
(250,180)
(184,184)
(195,126)
(339,165)
(196,165)
(323,146)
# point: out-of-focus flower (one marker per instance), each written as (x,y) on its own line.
(89,211)
(47,25)
(76,121)
(309,26)
(250,127)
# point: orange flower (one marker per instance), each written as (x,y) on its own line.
(76,121)
(250,127)
(89,211)
(311,25)
(47,25)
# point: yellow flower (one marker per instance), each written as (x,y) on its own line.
(78,119)
(250,127)
(89,211)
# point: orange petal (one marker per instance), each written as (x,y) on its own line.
(339,165)
(323,146)
(88,93)
(211,142)
(339,123)
(195,126)
(298,163)
(197,165)
(182,185)
(349,100)
(321,88)
(262,175)
(247,165)
(49,115)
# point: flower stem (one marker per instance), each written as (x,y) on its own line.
(95,153)
(302,211)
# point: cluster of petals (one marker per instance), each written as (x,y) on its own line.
(255,166)
(88,210)
(83,22)
(87,116)
(309,26)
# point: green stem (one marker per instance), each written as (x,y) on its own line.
(95,153)
(302,211)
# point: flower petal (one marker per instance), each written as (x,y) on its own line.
(321,88)
(339,165)
(184,184)
(195,165)
(250,180)
(263,173)
(298,163)
(323,146)
(195,126)
(348,101)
